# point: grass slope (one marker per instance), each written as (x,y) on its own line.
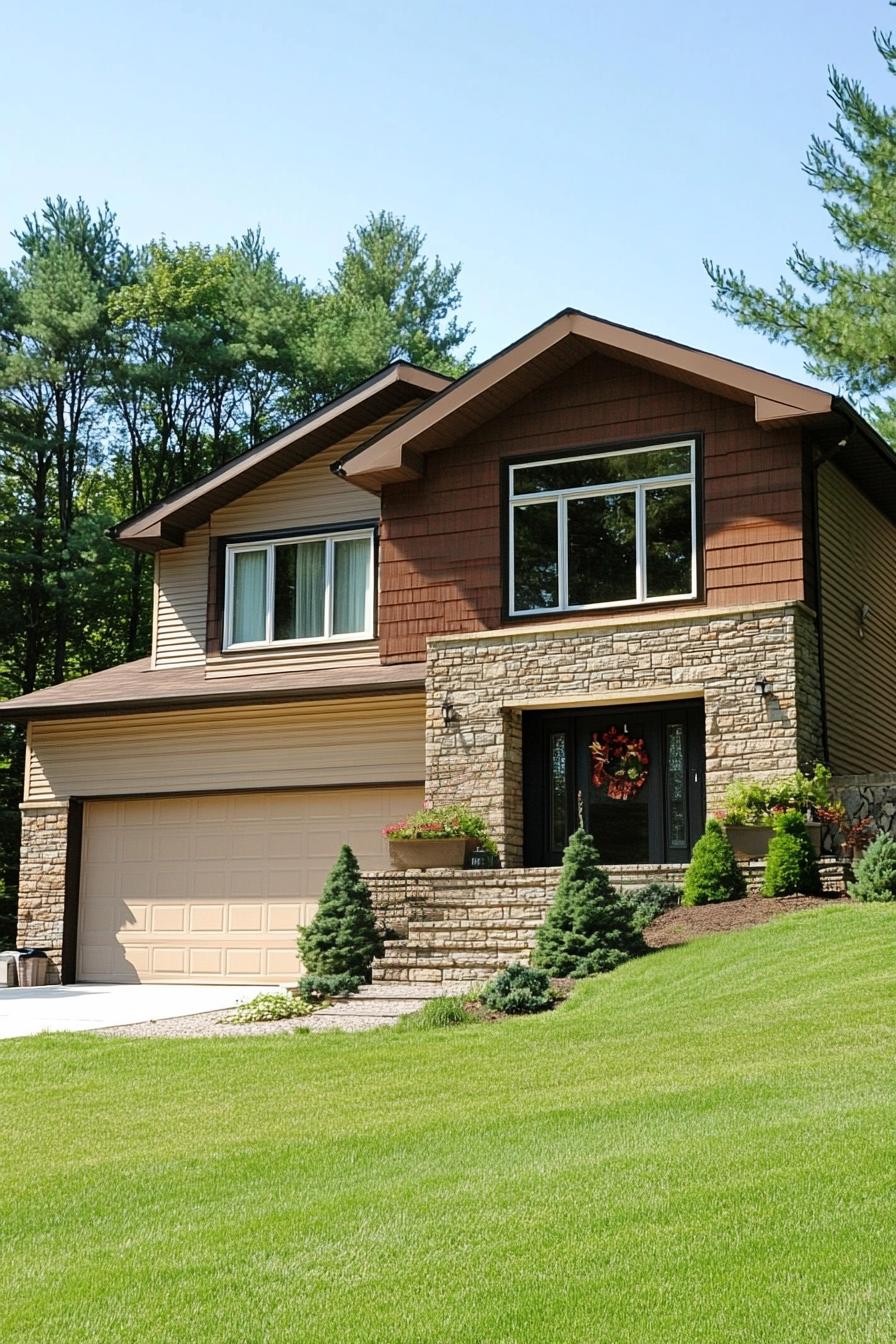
(698,1147)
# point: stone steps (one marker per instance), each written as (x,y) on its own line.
(377,1005)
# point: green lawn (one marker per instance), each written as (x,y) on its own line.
(698,1147)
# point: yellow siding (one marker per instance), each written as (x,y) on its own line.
(374,740)
(181,598)
(858,567)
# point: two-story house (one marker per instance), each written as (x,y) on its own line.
(465,591)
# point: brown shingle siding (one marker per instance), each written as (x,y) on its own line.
(441,536)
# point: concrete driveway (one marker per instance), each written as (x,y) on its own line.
(25,1012)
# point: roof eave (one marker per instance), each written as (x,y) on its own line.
(162,526)
(776,401)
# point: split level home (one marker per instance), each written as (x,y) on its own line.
(455,591)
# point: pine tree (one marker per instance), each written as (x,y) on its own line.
(837,308)
(342,938)
(791,867)
(588,927)
(713,873)
(876,872)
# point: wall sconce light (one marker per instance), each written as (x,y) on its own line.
(763,687)
(449,713)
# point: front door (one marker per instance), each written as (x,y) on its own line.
(632,775)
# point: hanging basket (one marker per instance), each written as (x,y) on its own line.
(621,763)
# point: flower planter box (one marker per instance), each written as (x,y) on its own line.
(751,842)
(443,853)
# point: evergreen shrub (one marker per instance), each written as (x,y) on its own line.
(713,873)
(589,927)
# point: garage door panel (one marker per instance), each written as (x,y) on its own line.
(212,888)
(166,917)
(206,918)
(284,918)
(206,962)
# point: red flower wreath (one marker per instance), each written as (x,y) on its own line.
(620,763)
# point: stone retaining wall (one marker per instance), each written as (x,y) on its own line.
(456,924)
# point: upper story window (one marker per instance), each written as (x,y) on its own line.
(603,529)
(299,590)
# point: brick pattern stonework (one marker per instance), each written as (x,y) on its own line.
(42,883)
(452,924)
(489,678)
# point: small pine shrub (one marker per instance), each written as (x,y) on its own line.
(876,872)
(518,989)
(647,903)
(589,927)
(317,988)
(791,867)
(269,1008)
(713,873)
(342,938)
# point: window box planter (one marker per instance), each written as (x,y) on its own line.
(448,852)
(751,842)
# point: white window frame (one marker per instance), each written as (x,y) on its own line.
(268,547)
(561,498)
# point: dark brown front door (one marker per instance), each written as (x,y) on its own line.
(632,774)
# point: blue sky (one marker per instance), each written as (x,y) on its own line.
(584,154)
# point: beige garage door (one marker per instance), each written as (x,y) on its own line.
(211,889)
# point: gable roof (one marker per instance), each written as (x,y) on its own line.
(396,453)
(392,390)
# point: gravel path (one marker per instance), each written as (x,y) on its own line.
(373,1006)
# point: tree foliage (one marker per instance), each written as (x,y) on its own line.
(791,867)
(713,873)
(840,309)
(128,371)
(342,938)
(876,871)
(589,927)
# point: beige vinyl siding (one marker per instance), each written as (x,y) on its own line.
(182,598)
(308,495)
(244,664)
(858,566)
(304,496)
(356,741)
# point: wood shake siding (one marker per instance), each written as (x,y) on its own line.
(440,537)
(857,551)
(369,740)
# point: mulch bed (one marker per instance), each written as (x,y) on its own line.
(683,923)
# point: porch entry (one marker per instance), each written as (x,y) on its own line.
(634,773)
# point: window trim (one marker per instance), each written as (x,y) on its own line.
(268,545)
(638,487)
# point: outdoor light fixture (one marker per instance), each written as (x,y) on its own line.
(449,714)
(763,686)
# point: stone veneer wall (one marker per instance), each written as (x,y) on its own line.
(42,883)
(869,796)
(491,676)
